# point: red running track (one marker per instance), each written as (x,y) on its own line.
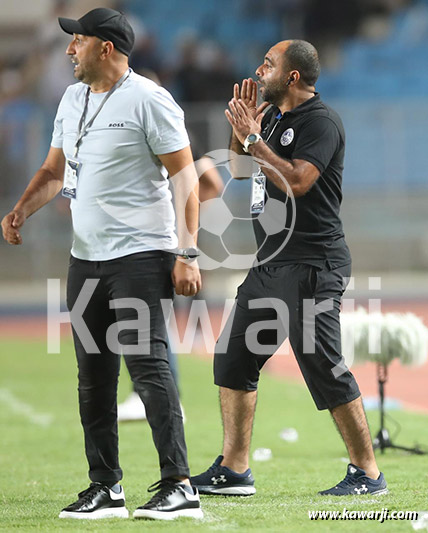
(406,384)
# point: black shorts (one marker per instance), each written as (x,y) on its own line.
(311,297)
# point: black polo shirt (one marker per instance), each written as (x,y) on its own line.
(312,132)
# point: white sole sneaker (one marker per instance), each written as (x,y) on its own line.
(379,492)
(112,512)
(172,515)
(228,491)
(131,409)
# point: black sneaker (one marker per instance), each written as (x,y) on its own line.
(357,482)
(97,501)
(222,480)
(171,501)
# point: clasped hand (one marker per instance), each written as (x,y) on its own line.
(243,114)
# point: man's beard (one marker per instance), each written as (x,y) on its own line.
(274,93)
(80,72)
(85,72)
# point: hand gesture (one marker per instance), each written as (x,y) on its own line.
(11,224)
(242,120)
(186,277)
(248,94)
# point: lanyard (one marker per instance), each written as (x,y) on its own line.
(278,118)
(83,128)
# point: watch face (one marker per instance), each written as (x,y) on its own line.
(252,138)
(188,252)
(192,252)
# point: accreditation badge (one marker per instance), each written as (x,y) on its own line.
(71,176)
(258,190)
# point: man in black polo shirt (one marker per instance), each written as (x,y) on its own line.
(299,143)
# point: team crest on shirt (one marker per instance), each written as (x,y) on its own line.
(287,137)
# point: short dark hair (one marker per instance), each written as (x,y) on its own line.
(303,56)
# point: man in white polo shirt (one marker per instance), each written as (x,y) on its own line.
(116,138)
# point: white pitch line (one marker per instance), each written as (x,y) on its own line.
(22,408)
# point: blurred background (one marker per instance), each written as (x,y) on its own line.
(374,73)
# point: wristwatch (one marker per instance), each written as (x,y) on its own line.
(188,253)
(252,138)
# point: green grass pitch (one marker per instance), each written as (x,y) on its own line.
(43,467)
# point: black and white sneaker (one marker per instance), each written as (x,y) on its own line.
(357,483)
(220,479)
(172,500)
(97,501)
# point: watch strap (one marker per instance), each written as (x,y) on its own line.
(248,143)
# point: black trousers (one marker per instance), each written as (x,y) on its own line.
(146,276)
(237,364)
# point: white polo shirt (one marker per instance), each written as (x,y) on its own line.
(123,204)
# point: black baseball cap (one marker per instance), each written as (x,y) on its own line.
(104,23)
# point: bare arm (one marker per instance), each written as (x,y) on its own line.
(299,174)
(210,182)
(248,94)
(44,186)
(182,172)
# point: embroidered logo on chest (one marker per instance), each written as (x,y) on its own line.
(116,125)
(287,137)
